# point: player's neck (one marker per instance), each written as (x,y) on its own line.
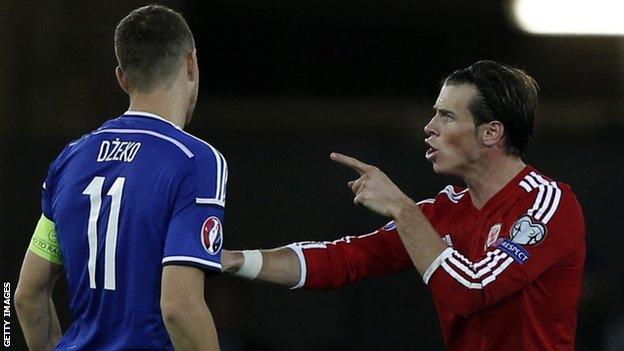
(488,179)
(161,103)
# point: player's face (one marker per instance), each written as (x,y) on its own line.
(451,134)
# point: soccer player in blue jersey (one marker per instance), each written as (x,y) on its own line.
(133,211)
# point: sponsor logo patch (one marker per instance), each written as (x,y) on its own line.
(493,235)
(212,235)
(526,231)
(516,251)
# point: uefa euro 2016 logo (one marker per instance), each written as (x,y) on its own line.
(212,235)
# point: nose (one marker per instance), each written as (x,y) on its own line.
(430,128)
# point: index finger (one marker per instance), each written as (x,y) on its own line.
(351,162)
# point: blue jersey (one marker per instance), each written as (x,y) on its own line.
(126,199)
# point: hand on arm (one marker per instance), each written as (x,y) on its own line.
(33,302)
(185,313)
(378,193)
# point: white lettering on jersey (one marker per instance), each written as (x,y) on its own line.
(115,150)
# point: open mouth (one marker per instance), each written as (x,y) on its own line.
(431,154)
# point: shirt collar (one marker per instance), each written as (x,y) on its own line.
(149,115)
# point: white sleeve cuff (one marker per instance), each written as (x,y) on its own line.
(436,263)
(209,201)
(302,263)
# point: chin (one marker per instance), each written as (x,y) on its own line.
(436,168)
(439,169)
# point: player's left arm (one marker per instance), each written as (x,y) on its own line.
(33,296)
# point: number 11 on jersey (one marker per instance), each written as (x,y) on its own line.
(94,191)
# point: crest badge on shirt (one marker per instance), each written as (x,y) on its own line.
(527,231)
(212,235)
(493,235)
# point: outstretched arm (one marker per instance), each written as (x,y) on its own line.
(33,302)
(323,264)
(277,266)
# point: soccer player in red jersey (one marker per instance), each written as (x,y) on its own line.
(502,257)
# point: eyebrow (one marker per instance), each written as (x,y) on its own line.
(444,111)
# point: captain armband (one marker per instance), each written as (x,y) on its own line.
(44,242)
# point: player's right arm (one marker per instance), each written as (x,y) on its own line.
(192,249)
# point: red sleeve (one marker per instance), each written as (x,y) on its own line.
(545,228)
(333,264)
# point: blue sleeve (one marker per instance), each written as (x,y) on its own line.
(49,184)
(212,173)
(195,233)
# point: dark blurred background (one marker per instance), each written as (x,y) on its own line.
(283,84)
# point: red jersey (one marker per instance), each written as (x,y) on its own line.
(510,279)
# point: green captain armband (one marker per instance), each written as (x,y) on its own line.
(44,242)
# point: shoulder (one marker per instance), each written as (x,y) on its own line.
(69,148)
(449,198)
(210,169)
(450,195)
(552,206)
(202,150)
(544,198)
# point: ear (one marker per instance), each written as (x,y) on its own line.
(122,79)
(492,133)
(192,68)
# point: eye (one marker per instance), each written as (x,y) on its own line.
(447,116)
